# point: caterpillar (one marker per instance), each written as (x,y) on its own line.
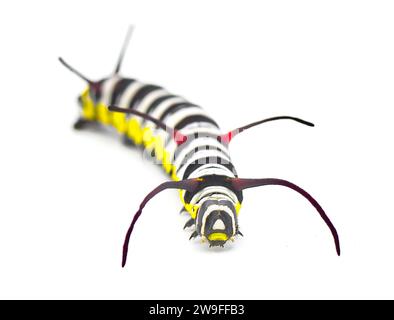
(188,143)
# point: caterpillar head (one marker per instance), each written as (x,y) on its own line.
(93,91)
(216,218)
(91,95)
(217,221)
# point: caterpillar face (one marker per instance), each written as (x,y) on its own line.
(217,221)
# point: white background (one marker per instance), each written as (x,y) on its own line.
(68,197)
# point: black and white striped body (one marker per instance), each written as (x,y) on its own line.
(214,208)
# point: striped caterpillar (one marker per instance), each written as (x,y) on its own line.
(189,145)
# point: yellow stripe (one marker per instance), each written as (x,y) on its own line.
(168,166)
(237,207)
(134,131)
(139,135)
(103,115)
(119,122)
(174,176)
(88,110)
(159,149)
(148,138)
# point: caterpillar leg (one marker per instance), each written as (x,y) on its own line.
(81,123)
(194,235)
(189,223)
(127,141)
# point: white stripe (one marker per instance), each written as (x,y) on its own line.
(146,102)
(191,129)
(160,109)
(129,93)
(210,171)
(221,170)
(173,119)
(200,156)
(202,142)
(107,90)
(201,126)
(176,117)
(216,196)
(164,105)
(171,147)
(201,196)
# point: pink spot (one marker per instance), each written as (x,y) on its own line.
(226,138)
(179,138)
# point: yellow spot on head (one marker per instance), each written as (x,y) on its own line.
(217,236)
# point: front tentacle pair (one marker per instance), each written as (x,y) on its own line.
(237,184)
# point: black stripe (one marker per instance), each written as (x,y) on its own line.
(155,103)
(204,160)
(194,118)
(175,108)
(142,93)
(213,180)
(195,165)
(119,89)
